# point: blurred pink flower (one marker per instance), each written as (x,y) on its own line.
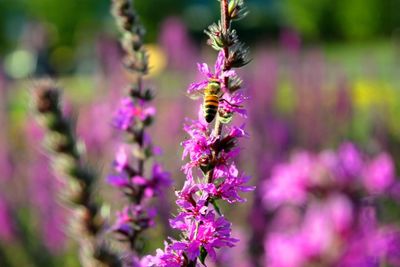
(379,174)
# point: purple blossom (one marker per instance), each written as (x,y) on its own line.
(133,214)
(171,256)
(118,181)
(211,173)
(158,181)
(234,103)
(131,176)
(379,174)
(219,74)
(129,111)
(350,160)
(201,227)
(231,183)
(288,182)
(319,219)
(346,169)
(207,231)
(121,160)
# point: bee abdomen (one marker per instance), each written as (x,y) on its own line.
(210,107)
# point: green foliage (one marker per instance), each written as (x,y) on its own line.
(358,19)
(74,21)
(353,20)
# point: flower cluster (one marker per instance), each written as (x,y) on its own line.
(219,74)
(324,210)
(132,118)
(211,174)
(136,216)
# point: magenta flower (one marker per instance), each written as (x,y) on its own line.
(171,256)
(158,181)
(209,232)
(229,184)
(219,74)
(133,214)
(323,197)
(204,229)
(379,174)
(129,111)
(211,173)
(121,160)
(234,103)
(350,160)
(131,176)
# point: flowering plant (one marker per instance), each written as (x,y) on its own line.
(211,174)
(132,118)
(335,196)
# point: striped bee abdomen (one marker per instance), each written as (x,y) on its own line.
(210,107)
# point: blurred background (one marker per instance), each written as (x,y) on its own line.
(322,72)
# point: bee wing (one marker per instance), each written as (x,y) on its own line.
(196,95)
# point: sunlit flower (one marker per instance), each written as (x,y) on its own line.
(219,74)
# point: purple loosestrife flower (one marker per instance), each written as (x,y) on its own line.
(329,221)
(129,174)
(211,233)
(219,74)
(211,172)
(132,215)
(134,115)
(379,174)
(129,111)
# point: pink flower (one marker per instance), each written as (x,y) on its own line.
(229,185)
(121,160)
(379,174)
(332,220)
(289,182)
(234,103)
(218,75)
(171,256)
(129,111)
(159,180)
(131,215)
(207,231)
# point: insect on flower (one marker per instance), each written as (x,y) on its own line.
(212,97)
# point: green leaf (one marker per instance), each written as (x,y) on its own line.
(216,207)
(203,255)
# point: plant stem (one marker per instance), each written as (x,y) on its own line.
(224,15)
(218,124)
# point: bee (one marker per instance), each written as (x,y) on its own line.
(211,100)
(212,97)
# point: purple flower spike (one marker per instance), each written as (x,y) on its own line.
(136,174)
(211,173)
